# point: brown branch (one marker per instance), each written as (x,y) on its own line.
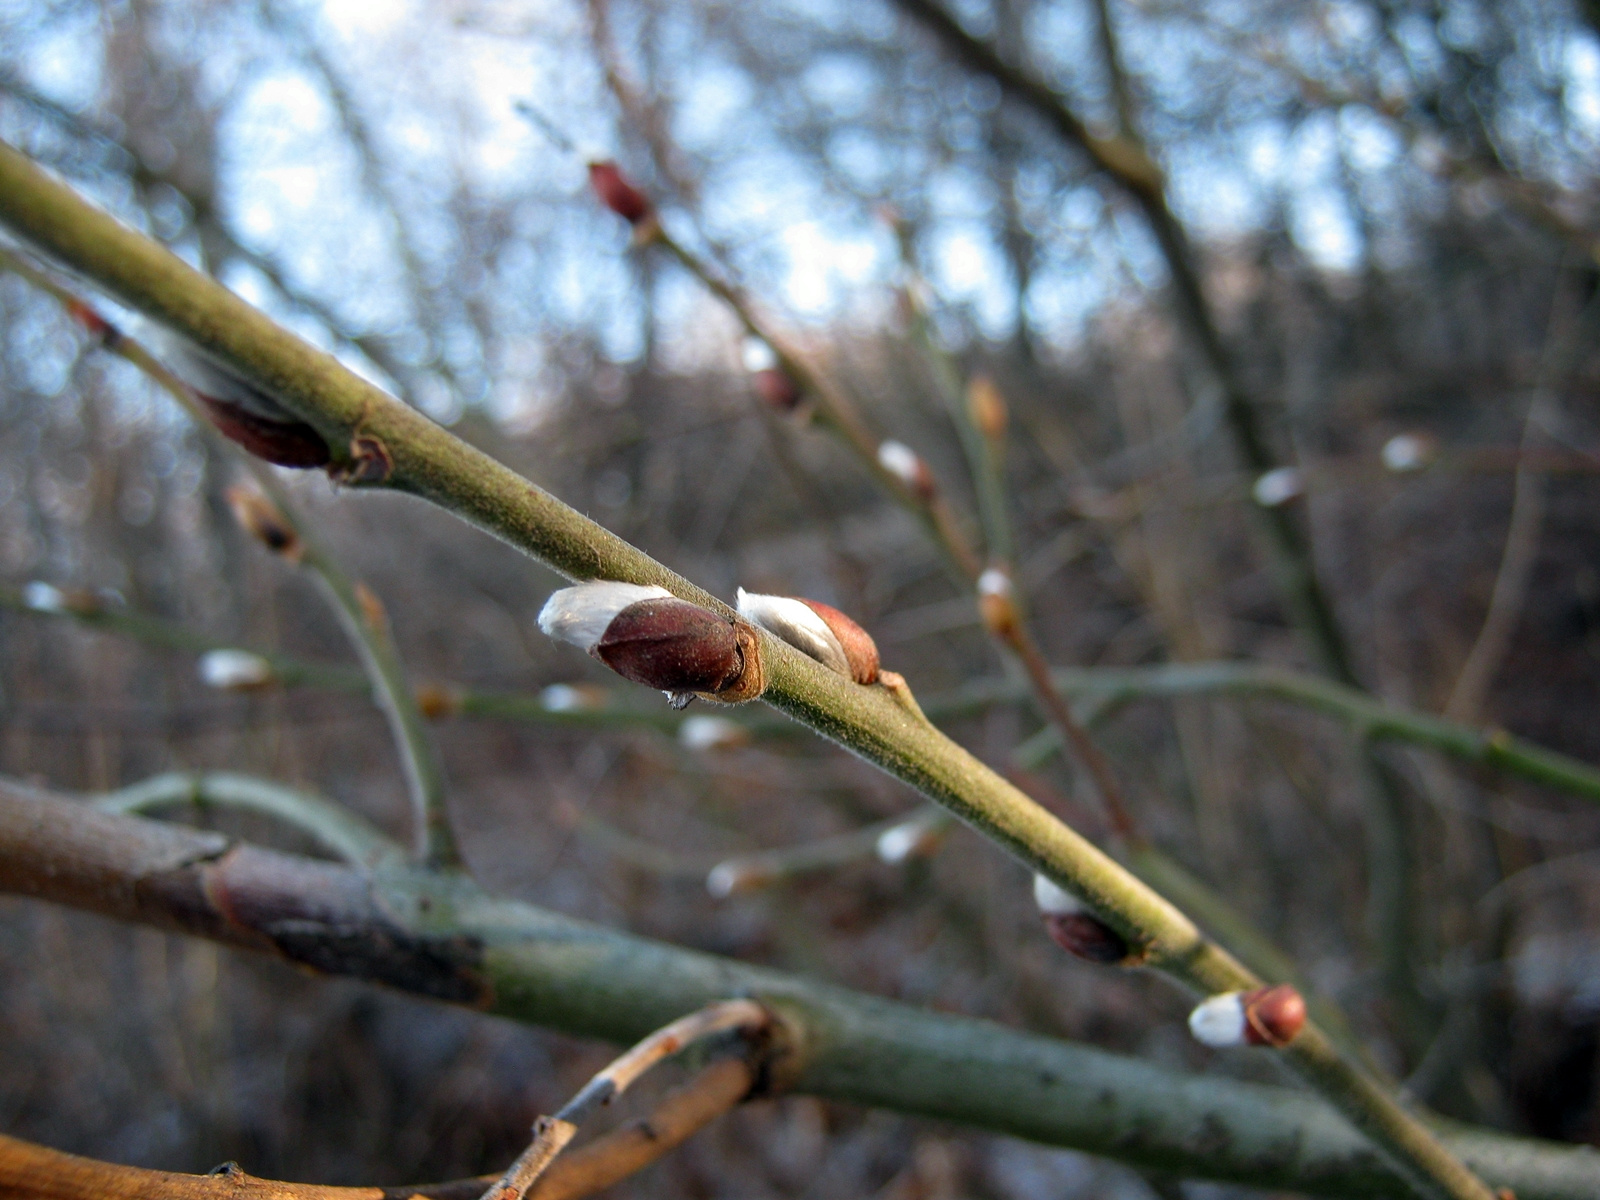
(30,1172)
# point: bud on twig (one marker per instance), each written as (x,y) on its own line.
(648,635)
(997,604)
(260,518)
(240,412)
(1406,452)
(986,408)
(234,670)
(1075,929)
(736,876)
(1279,486)
(436,701)
(1266,1016)
(901,461)
(620,196)
(712,733)
(816,629)
(572,697)
(777,389)
(917,837)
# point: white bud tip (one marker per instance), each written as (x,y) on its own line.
(192,366)
(1279,486)
(232,670)
(562,697)
(581,614)
(900,842)
(796,623)
(757,355)
(994,582)
(1054,900)
(1406,452)
(724,879)
(710,733)
(44,597)
(1219,1021)
(900,460)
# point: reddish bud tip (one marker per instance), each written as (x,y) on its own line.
(617,194)
(986,407)
(860,651)
(283,443)
(1086,937)
(1273,1015)
(776,389)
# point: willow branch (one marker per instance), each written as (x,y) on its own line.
(440,936)
(339,830)
(362,619)
(419,457)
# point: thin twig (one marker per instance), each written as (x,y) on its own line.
(341,831)
(552,1133)
(366,628)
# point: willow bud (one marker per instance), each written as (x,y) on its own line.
(241,412)
(617,194)
(1076,930)
(1266,1016)
(234,670)
(986,407)
(815,629)
(712,733)
(1407,452)
(906,465)
(997,604)
(648,635)
(1279,486)
(777,389)
(916,837)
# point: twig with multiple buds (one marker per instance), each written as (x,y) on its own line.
(363,426)
(248,418)
(551,1134)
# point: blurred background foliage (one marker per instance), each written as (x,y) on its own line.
(1397,214)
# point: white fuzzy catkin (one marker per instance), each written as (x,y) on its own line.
(994,582)
(232,670)
(900,842)
(901,461)
(44,597)
(1406,452)
(1279,486)
(1053,900)
(1219,1020)
(710,733)
(796,623)
(581,614)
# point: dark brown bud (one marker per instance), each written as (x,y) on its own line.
(648,635)
(283,443)
(617,194)
(1273,1015)
(1086,937)
(776,389)
(260,518)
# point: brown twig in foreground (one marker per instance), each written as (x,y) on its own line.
(30,1172)
(551,1134)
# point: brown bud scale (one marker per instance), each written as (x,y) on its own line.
(860,651)
(777,389)
(1087,937)
(617,194)
(282,443)
(260,518)
(1273,1016)
(681,648)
